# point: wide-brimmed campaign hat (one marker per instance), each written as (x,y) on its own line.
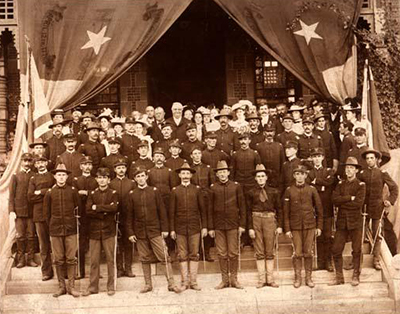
(38,141)
(253,115)
(185,166)
(261,168)
(93,126)
(352,161)
(377,153)
(224,113)
(60,168)
(222,165)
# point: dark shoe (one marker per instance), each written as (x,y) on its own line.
(74,293)
(146,288)
(60,292)
(195,287)
(355,281)
(209,258)
(110,292)
(120,273)
(222,285)
(47,277)
(31,263)
(21,262)
(129,273)
(377,265)
(309,281)
(272,284)
(329,266)
(336,282)
(349,266)
(235,283)
(174,288)
(88,292)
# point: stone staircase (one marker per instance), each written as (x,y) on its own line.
(26,293)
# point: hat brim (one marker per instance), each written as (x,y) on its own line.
(225,168)
(55,124)
(93,128)
(377,154)
(266,171)
(350,164)
(120,164)
(181,169)
(253,118)
(54,171)
(223,115)
(32,145)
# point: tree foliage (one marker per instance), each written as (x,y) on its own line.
(383,52)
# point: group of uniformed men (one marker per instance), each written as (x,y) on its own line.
(231,184)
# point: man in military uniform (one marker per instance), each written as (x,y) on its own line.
(175,161)
(287,134)
(123,186)
(188,222)
(39,183)
(101,207)
(322,178)
(287,179)
(303,221)
(211,155)
(21,210)
(84,184)
(147,226)
(115,144)
(256,135)
(70,158)
(129,141)
(60,208)
(265,220)
(55,145)
(348,142)
(203,177)
(226,138)
(360,136)
(38,148)
(92,147)
(143,160)
(227,222)
(308,141)
(349,196)
(272,155)
(191,142)
(82,135)
(375,180)
(165,140)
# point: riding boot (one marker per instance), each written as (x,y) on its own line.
(308,264)
(269,263)
(194,266)
(60,270)
(31,253)
(355,281)
(297,265)
(71,281)
(148,286)
(223,265)
(21,253)
(184,267)
(234,267)
(261,273)
(339,278)
(128,262)
(170,278)
(82,272)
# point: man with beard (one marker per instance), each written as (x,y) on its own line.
(55,145)
(281,111)
(92,147)
(256,135)
(70,158)
(272,155)
(226,138)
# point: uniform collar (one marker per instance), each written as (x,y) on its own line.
(43,172)
(26,171)
(142,187)
(185,185)
(86,175)
(61,187)
(300,185)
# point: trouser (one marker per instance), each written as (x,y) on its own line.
(303,241)
(375,229)
(42,230)
(83,243)
(339,243)
(264,242)
(324,243)
(227,243)
(108,246)
(188,247)
(151,250)
(124,252)
(64,250)
(390,236)
(25,228)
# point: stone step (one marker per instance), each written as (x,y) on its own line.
(28,281)
(366,298)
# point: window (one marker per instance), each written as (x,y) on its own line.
(273,83)
(107,98)
(366,4)
(7,10)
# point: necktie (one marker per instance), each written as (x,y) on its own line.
(263,196)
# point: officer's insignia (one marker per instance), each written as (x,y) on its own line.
(169,169)
(130,192)
(236,182)
(286,200)
(212,185)
(208,166)
(114,191)
(155,189)
(73,188)
(362,171)
(174,188)
(362,183)
(75,178)
(197,187)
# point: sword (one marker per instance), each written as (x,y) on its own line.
(239,249)
(77,240)
(277,252)
(165,257)
(204,254)
(115,250)
(364,214)
(334,221)
(378,232)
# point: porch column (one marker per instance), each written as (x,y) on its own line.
(3,106)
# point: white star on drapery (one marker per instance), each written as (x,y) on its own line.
(308,31)
(96,40)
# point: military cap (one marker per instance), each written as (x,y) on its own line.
(211,134)
(56,112)
(291,144)
(222,165)
(319,116)
(352,161)
(130,120)
(175,143)
(317,151)
(87,115)
(166,124)
(26,156)
(190,126)
(120,162)
(360,131)
(185,166)
(269,127)
(38,141)
(86,160)
(103,172)
(308,119)
(158,150)
(60,168)
(138,170)
(243,135)
(39,158)
(377,153)
(70,137)
(143,143)
(300,168)
(114,140)
(288,117)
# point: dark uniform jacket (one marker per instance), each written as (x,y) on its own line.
(55,147)
(102,220)
(164,144)
(227,206)
(18,199)
(329,144)
(187,210)
(287,178)
(161,178)
(356,152)
(243,163)
(375,180)
(227,140)
(349,214)
(84,183)
(187,147)
(347,144)
(307,144)
(82,137)
(302,208)
(72,163)
(60,205)
(178,131)
(41,182)
(155,131)
(272,157)
(203,177)
(146,213)
(272,204)
(95,150)
(211,157)
(173,164)
(140,162)
(123,187)
(322,179)
(109,161)
(256,137)
(129,146)
(287,136)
